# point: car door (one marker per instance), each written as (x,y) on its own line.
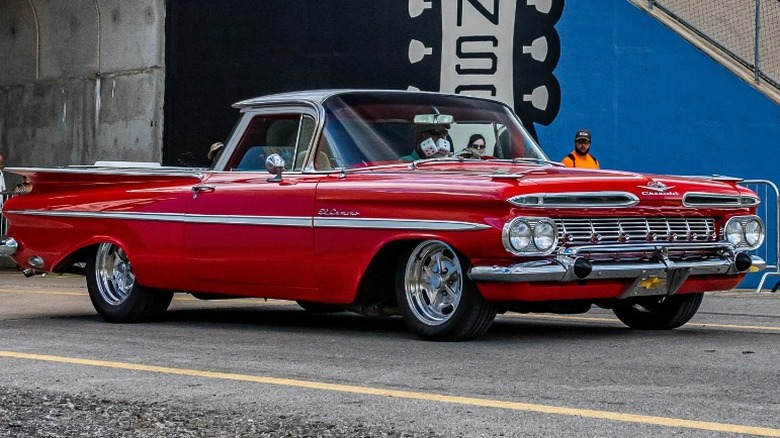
(248,234)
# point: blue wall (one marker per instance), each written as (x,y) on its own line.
(654,102)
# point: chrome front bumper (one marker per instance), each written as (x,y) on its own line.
(8,246)
(656,275)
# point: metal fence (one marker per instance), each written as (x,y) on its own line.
(769,211)
(746,30)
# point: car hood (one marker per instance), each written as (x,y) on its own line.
(586,186)
(649,189)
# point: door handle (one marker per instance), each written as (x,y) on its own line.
(201,188)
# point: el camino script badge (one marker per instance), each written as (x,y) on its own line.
(334,212)
(657,188)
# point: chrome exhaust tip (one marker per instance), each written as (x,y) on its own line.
(31,272)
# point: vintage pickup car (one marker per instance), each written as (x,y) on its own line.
(344,222)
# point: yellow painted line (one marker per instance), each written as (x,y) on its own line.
(177,297)
(734,326)
(617,321)
(412,395)
(41,292)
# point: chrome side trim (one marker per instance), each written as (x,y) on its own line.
(282,221)
(398,224)
(175,217)
(716,200)
(8,246)
(184,172)
(576,200)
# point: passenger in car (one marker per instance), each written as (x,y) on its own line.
(475,148)
(215,151)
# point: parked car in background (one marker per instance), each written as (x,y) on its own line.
(342,223)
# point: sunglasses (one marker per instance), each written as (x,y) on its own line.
(583,141)
(477,146)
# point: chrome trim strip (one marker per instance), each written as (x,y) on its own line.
(175,217)
(726,201)
(8,246)
(594,200)
(184,172)
(284,221)
(642,247)
(398,224)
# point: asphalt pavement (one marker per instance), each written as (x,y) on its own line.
(251,367)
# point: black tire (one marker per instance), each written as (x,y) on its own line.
(115,294)
(658,313)
(437,299)
(315,307)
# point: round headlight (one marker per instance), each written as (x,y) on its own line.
(734,232)
(754,233)
(520,235)
(544,235)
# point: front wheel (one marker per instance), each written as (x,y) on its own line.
(658,313)
(437,299)
(114,292)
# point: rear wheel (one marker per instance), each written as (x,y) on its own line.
(114,292)
(437,299)
(658,313)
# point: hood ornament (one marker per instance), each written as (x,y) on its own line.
(656,186)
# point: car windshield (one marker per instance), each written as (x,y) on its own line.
(364,129)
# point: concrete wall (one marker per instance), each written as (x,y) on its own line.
(82,81)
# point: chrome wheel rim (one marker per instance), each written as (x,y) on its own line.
(433,282)
(115,277)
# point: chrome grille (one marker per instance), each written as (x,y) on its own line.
(576,232)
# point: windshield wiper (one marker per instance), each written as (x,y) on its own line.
(416,163)
(536,161)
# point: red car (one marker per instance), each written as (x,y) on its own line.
(370,207)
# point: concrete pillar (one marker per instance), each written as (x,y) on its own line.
(84,82)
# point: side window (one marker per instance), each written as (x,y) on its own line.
(304,141)
(271,134)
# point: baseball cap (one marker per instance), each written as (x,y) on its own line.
(582,133)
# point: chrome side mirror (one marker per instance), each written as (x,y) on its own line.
(275,165)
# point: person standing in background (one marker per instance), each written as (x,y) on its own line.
(580,156)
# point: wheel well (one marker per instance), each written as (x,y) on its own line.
(377,287)
(74,263)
